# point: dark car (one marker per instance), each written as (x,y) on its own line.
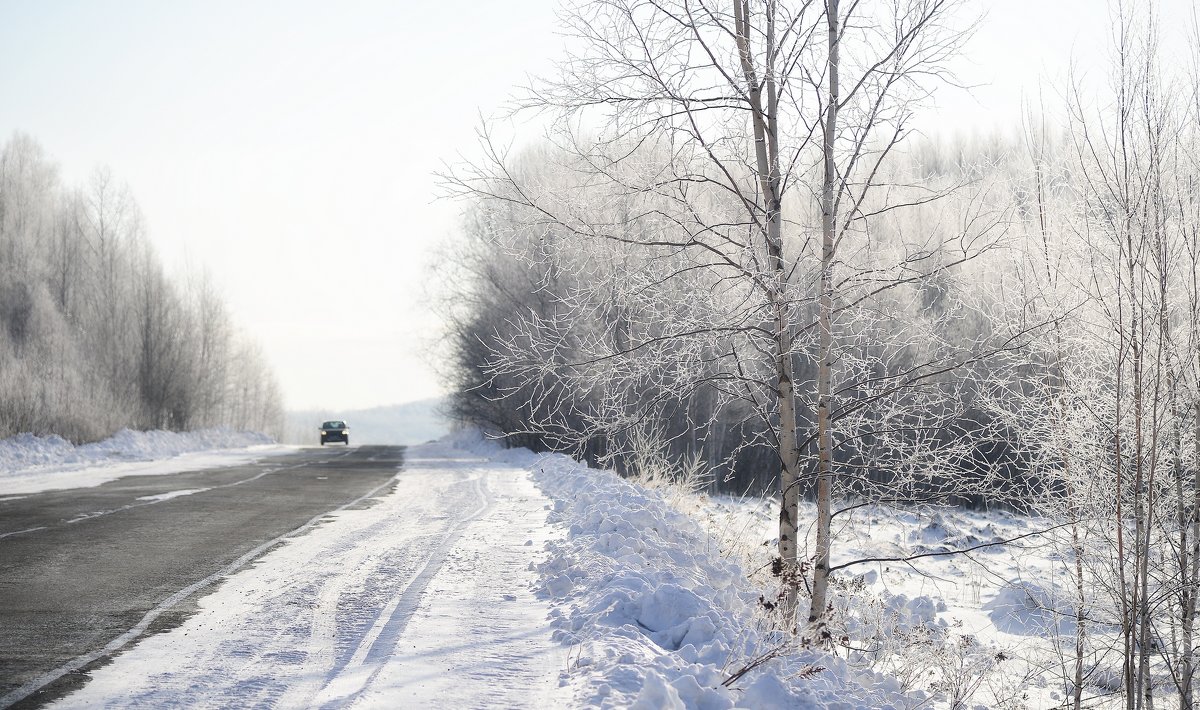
(335,430)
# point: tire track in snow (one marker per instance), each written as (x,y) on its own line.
(321,647)
(347,680)
(140,628)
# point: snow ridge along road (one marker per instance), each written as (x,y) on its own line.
(420,597)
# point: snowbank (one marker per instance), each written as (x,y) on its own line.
(1026,608)
(31,463)
(655,617)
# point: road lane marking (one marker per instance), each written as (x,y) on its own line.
(152,500)
(160,497)
(22,532)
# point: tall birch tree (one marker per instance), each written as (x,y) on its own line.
(736,151)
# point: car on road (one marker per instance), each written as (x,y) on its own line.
(335,430)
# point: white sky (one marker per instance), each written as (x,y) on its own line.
(288,147)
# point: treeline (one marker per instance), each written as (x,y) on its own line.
(94,336)
(622,351)
(727,257)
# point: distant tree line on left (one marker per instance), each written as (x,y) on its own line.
(94,336)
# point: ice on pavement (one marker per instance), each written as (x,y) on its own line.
(29,464)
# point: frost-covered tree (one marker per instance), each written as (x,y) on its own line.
(1104,407)
(93,335)
(718,208)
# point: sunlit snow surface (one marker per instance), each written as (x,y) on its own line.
(493,578)
(29,464)
(659,596)
(659,617)
(1002,610)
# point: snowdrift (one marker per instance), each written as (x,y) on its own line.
(658,619)
(31,463)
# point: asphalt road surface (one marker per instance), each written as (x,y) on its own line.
(86,571)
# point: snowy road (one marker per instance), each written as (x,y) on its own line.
(459,574)
(84,569)
(419,595)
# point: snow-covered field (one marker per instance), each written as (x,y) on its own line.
(989,628)
(29,463)
(493,578)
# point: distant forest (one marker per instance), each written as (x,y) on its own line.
(94,336)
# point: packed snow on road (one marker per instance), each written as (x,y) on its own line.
(493,578)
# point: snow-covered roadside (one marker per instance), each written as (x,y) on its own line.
(487,578)
(987,628)
(29,464)
(662,607)
(658,618)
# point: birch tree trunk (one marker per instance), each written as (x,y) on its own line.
(825,325)
(766,152)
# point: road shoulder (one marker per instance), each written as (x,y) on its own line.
(481,638)
(423,598)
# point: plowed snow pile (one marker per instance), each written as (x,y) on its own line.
(657,618)
(658,596)
(31,463)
